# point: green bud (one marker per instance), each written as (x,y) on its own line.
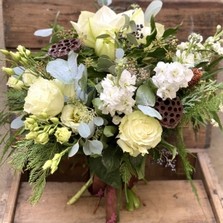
(21,49)
(5,52)
(30,120)
(8,70)
(31,135)
(28,52)
(15,56)
(54,120)
(51,131)
(56,156)
(24,60)
(47,164)
(42,138)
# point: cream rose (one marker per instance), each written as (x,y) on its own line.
(138,133)
(44,97)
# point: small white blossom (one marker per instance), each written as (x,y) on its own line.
(170,77)
(117,95)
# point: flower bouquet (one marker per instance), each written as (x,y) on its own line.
(113,88)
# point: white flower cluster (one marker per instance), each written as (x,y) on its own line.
(117,93)
(170,77)
(194,51)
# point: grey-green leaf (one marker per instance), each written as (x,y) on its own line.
(73,150)
(150,111)
(145,96)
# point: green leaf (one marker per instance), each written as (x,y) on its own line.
(110,130)
(104,63)
(112,178)
(139,165)
(132,39)
(111,158)
(145,96)
(103,36)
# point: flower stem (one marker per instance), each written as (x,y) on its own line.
(80,192)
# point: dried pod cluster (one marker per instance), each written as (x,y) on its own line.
(63,47)
(171,111)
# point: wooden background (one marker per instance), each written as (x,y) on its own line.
(23,17)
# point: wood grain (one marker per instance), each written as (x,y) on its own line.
(23,17)
(166,201)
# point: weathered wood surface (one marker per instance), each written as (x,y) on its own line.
(166,201)
(23,17)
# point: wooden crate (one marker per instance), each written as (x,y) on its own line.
(169,201)
(168,196)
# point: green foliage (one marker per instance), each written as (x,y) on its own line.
(202,103)
(31,157)
(16,99)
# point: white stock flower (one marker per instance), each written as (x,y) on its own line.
(170,77)
(117,97)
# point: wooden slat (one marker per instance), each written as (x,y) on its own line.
(212,185)
(11,201)
(23,17)
(166,201)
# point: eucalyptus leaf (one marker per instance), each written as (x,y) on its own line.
(95,147)
(86,148)
(104,2)
(98,121)
(73,150)
(150,111)
(84,130)
(152,10)
(119,53)
(145,96)
(19,70)
(17,123)
(43,32)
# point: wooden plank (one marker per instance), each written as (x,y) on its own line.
(12,198)
(198,15)
(5,173)
(166,201)
(212,185)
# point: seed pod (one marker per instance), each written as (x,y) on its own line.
(63,47)
(171,111)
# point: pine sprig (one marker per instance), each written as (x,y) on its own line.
(16,99)
(202,104)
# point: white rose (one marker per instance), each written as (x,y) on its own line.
(138,133)
(44,97)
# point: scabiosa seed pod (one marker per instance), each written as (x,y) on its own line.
(196,78)
(63,47)
(171,111)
